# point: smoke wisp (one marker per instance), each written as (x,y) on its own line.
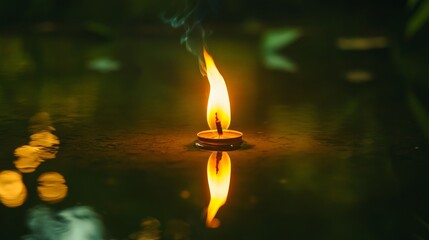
(189,15)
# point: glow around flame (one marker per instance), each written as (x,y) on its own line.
(218,98)
(218,175)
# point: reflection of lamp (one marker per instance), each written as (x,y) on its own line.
(47,142)
(218,176)
(43,144)
(12,190)
(218,113)
(28,158)
(52,187)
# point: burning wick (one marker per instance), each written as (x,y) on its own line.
(218,126)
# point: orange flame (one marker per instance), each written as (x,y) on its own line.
(218,175)
(218,103)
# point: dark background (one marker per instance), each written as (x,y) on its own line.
(383,123)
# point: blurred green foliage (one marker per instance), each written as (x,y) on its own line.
(273,42)
(14,59)
(419,18)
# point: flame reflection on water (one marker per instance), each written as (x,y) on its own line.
(219,176)
(43,144)
(12,189)
(52,187)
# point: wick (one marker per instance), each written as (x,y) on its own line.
(218,158)
(218,125)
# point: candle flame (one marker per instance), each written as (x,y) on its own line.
(218,103)
(218,175)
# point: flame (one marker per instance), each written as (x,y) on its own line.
(218,175)
(218,99)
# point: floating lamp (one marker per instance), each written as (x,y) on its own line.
(219,137)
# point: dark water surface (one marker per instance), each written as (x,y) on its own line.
(332,150)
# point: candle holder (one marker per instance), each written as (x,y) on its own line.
(212,140)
